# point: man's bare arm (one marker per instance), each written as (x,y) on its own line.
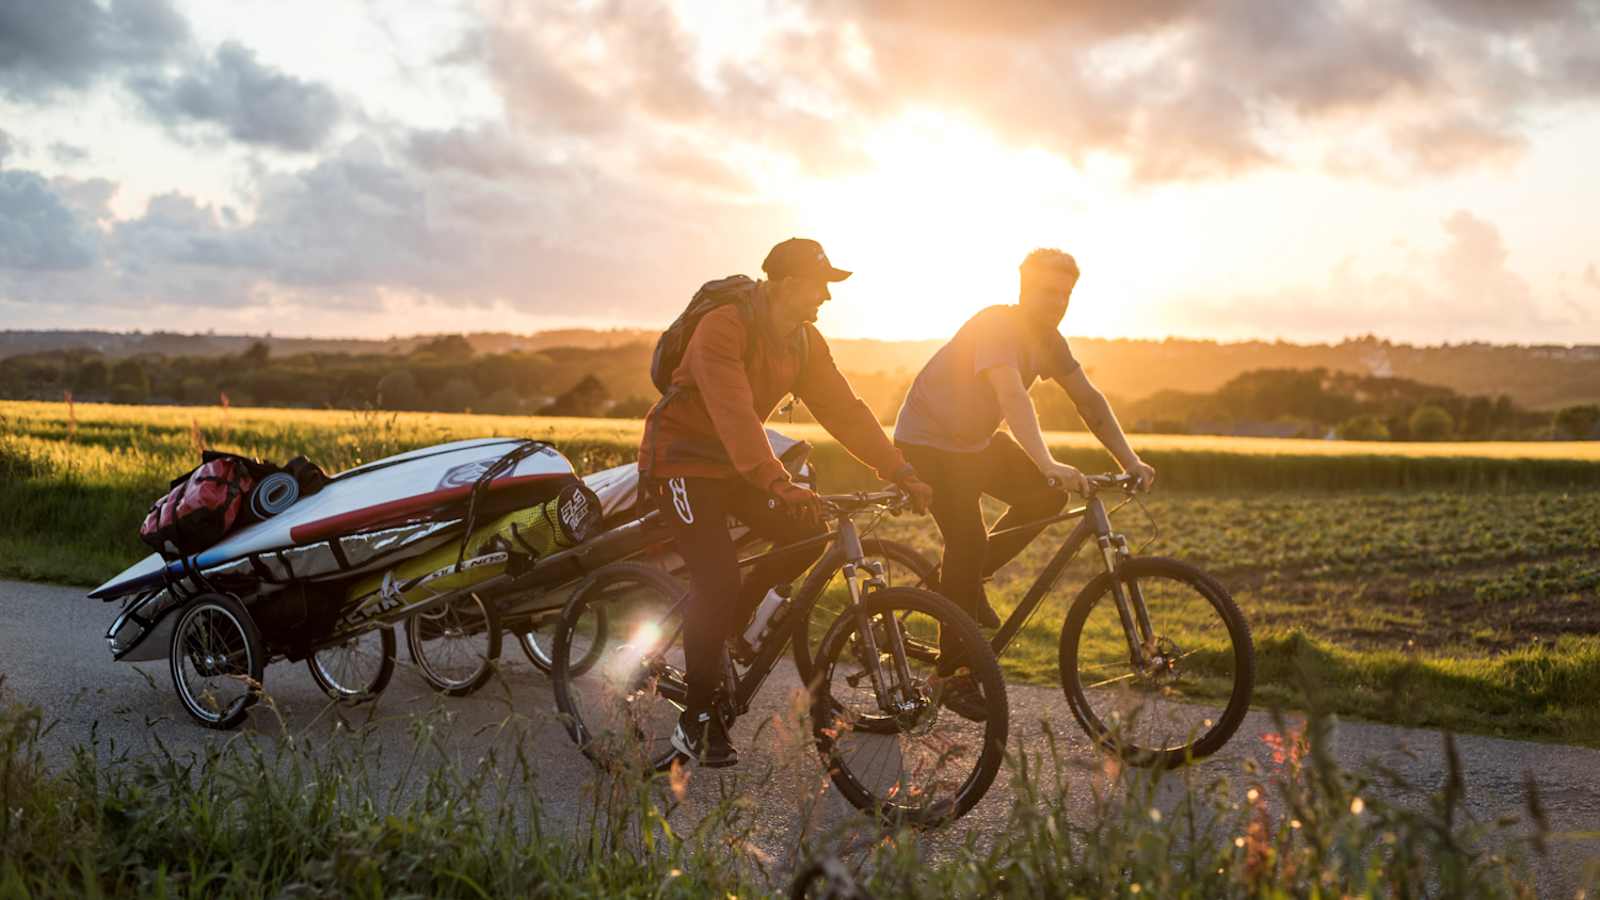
(1096,413)
(1017,407)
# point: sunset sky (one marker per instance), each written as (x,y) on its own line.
(1424,170)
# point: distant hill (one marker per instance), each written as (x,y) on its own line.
(119,345)
(1535,377)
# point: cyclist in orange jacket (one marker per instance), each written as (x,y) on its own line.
(705,456)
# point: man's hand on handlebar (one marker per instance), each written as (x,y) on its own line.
(1144,472)
(800,503)
(1063,477)
(919,492)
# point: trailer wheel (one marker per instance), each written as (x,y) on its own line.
(357,669)
(216,660)
(455,645)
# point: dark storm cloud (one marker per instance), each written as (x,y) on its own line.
(38,231)
(250,102)
(47,46)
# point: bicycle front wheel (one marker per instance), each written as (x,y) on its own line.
(617,666)
(894,744)
(1194,690)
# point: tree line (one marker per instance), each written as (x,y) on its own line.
(446,374)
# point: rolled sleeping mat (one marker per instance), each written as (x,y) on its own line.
(565,520)
(274,494)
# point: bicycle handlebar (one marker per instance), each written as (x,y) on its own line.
(1121,481)
(891,499)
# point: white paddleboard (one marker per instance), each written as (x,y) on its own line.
(390,491)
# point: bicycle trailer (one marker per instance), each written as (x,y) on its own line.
(287,584)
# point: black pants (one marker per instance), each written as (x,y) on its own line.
(1002,471)
(697,510)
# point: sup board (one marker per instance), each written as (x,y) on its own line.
(382,493)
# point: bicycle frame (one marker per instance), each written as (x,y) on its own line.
(1131,609)
(741,690)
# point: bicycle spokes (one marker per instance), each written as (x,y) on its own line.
(625,707)
(892,737)
(1176,692)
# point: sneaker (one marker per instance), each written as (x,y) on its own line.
(964,697)
(704,739)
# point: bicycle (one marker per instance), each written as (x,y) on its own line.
(878,719)
(901,566)
(1144,673)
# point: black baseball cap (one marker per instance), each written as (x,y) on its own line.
(801,256)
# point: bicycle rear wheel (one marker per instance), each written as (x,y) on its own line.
(618,668)
(905,758)
(537,637)
(1192,697)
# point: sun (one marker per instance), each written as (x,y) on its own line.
(937,225)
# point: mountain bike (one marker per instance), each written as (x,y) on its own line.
(1155,657)
(823,585)
(877,711)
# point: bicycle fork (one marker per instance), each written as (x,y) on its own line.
(1131,608)
(850,539)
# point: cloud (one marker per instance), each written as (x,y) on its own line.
(633,148)
(7,146)
(66,45)
(1178,89)
(68,154)
(404,213)
(489,153)
(1449,145)
(251,103)
(1196,90)
(611,73)
(1464,289)
(88,198)
(38,231)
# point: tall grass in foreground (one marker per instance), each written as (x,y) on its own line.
(287,816)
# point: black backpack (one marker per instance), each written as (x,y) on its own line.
(712,295)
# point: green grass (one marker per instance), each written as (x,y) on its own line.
(311,815)
(1423,608)
(1439,587)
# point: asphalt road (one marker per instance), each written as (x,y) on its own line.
(52,653)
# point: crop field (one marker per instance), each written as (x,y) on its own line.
(1434,584)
